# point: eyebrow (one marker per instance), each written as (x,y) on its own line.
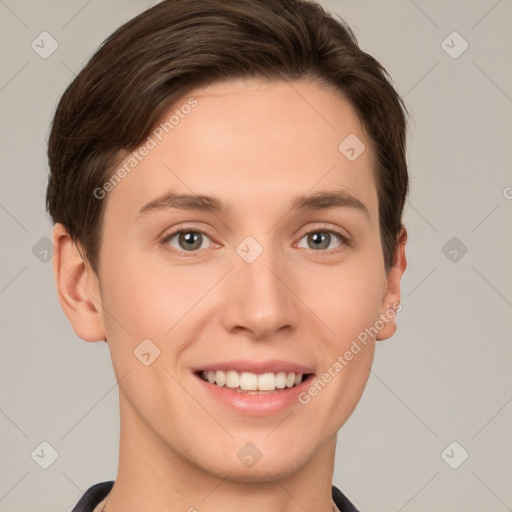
(317,201)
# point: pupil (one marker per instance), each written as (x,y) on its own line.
(191,238)
(321,238)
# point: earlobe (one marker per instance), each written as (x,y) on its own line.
(391,300)
(77,287)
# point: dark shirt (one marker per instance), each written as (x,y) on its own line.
(97,492)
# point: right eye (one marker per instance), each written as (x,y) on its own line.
(186,240)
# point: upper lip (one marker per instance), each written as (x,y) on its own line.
(247,365)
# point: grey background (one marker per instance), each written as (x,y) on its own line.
(444,377)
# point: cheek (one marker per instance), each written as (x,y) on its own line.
(144,303)
(345,298)
(147,299)
(347,301)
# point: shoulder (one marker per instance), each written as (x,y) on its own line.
(96,493)
(93,496)
(342,502)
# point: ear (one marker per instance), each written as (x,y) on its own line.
(77,287)
(391,300)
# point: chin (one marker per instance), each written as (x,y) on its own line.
(259,461)
(263,471)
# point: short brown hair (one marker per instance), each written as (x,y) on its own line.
(178,45)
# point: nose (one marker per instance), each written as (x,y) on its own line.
(259,296)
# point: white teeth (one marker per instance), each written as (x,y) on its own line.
(232,379)
(266,382)
(249,381)
(252,382)
(220,378)
(281,380)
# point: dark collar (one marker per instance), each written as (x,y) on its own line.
(97,492)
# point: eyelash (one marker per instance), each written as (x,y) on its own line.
(320,229)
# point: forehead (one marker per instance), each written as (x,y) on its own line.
(247,140)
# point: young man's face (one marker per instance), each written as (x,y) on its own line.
(264,282)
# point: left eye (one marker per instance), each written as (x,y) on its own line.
(321,240)
(188,240)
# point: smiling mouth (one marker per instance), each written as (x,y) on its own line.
(253,383)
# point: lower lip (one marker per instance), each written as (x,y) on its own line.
(256,404)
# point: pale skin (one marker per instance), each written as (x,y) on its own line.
(255,146)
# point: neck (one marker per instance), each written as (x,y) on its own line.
(153,476)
